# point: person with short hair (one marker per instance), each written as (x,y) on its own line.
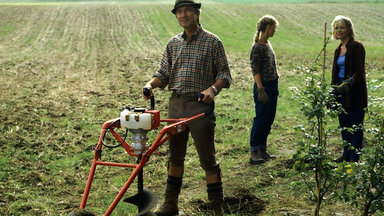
(193,62)
(265,89)
(348,74)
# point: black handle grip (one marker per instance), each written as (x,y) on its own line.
(210,111)
(147,92)
(200,95)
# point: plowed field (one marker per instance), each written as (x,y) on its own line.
(67,68)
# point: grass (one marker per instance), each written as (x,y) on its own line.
(67,68)
(205,2)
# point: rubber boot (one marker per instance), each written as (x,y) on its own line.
(216,198)
(172,192)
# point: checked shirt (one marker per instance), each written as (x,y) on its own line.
(191,66)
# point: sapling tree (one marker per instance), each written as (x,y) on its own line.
(313,160)
(364,181)
(364,184)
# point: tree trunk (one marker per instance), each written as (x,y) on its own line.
(317,212)
(367,205)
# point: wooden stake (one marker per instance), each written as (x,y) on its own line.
(325,48)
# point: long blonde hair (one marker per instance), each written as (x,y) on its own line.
(348,24)
(262,24)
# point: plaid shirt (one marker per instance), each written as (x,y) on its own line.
(263,62)
(191,66)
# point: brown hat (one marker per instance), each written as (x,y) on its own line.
(179,3)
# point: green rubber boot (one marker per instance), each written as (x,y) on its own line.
(170,207)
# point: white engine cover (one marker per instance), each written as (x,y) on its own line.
(136,120)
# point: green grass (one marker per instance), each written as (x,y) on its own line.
(204,2)
(67,68)
(295,1)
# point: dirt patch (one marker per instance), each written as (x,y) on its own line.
(289,163)
(242,204)
(32,178)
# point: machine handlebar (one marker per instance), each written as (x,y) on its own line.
(210,111)
(147,92)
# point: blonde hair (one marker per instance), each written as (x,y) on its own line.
(347,23)
(262,24)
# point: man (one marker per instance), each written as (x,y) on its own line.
(194,62)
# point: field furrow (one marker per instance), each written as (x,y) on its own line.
(65,68)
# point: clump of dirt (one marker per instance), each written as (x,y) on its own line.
(82,212)
(289,163)
(242,204)
(32,178)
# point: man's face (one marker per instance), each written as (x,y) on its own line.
(186,16)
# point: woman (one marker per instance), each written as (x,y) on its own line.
(348,77)
(265,89)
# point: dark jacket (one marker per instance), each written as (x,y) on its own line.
(357,97)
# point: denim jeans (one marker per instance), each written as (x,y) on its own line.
(351,119)
(265,115)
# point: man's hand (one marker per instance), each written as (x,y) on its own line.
(152,84)
(209,95)
(343,88)
(148,96)
(262,95)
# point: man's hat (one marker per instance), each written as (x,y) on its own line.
(179,3)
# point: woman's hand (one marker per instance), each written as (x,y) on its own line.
(343,88)
(262,95)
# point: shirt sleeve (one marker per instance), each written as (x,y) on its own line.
(221,64)
(255,60)
(165,67)
(335,69)
(358,61)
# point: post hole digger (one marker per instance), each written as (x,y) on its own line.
(139,122)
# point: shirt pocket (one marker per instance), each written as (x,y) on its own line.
(199,58)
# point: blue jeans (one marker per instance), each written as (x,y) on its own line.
(351,119)
(265,115)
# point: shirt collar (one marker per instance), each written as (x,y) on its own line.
(350,41)
(195,35)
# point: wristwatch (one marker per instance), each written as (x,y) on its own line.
(215,90)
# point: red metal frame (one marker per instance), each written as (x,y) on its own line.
(178,126)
